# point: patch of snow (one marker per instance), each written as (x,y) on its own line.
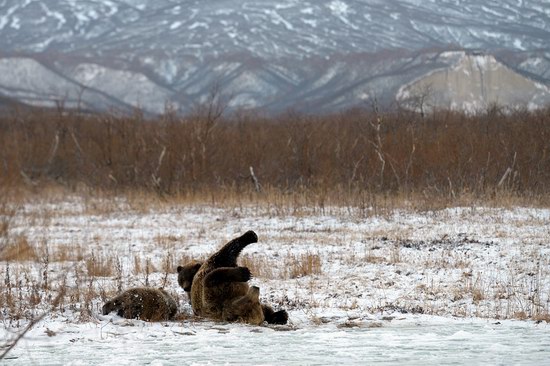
(15,23)
(227,11)
(492,12)
(175,25)
(362,341)
(518,44)
(339,8)
(5,17)
(54,14)
(311,22)
(132,88)
(278,19)
(196,25)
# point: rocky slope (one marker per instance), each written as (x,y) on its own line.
(474,82)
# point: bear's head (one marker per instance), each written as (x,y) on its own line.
(187,273)
(245,309)
(112,305)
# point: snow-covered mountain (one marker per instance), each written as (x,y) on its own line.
(310,55)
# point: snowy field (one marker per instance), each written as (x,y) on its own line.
(422,340)
(456,286)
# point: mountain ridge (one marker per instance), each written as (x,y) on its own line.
(315,56)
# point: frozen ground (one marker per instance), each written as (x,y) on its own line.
(461,285)
(416,340)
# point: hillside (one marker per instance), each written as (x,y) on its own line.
(473,83)
(308,55)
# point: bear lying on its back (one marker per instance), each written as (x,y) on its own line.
(219,282)
(238,308)
(149,304)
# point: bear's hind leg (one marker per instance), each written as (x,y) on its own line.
(227,255)
(227,274)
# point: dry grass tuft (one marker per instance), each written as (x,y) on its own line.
(542,317)
(293,265)
(260,266)
(302,265)
(68,253)
(100,266)
(18,249)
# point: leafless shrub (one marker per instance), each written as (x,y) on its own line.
(354,158)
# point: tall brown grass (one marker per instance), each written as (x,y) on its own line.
(340,158)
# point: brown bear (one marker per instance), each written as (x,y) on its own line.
(186,275)
(149,304)
(219,282)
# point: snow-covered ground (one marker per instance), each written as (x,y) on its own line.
(418,340)
(459,285)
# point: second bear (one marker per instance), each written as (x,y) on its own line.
(145,303)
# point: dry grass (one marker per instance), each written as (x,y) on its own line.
(100,265)
(261,266)
(302,265)
(18,250)
(284,266)
(302,171)
(69,253)
(25,292)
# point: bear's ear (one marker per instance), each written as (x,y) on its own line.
(197,266)
(180,268)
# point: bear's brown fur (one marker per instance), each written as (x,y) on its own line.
(245,309)
(219,283)
(186,275)
(149,304)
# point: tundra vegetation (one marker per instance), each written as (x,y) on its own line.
(78,191)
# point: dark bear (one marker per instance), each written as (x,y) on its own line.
(219,282)
(186,275)
(149,304)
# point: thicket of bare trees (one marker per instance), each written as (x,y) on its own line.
(354,152)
